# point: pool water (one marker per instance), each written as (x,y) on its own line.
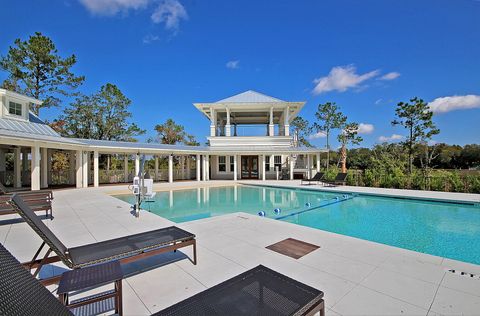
(443,229)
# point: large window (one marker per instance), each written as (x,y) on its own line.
(277,160)
(267,163)
(222,164)
(15,108)
(232,167)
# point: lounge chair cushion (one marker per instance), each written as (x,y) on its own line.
(126,246)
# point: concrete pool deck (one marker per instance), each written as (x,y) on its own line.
(358,277)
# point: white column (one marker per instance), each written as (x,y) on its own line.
(213,122)
(271,127)
(24,165)
(49,166)
(17,168)
(291,167)
(204,164)
(156,168)
(79,169)
(3,165)
(309,166)
(188,166)
(35,168)
(272,163)
(263,168)
(228,131)
(198,167)
(287,119)
(44,167)
(318,162)
(125,167)
(207,169)
(235,168)
(85,167)
(170,168)
(71,167)
(137,164)
(95,169)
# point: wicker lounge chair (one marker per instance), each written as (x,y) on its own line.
(339,180)
(125,249)
(259,291)
(316,178)
(37,200)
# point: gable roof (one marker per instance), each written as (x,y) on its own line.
(250,96)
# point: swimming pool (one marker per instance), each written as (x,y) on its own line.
(449,230)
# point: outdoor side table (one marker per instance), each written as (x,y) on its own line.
(92,277)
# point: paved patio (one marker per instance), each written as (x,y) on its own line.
(358,277)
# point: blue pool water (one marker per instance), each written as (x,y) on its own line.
(443,229)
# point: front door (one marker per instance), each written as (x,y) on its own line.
(249,167)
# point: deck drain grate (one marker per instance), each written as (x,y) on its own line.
(464,274)
(293,248)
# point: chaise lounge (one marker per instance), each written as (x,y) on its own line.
(38,201)
(125,249)
(259,291)
(316,178)
(340,179)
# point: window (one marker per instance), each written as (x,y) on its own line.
(222,163)
(15,108)
(267,163)
(277,160)
(232,158)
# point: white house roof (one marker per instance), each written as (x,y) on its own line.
(250,96)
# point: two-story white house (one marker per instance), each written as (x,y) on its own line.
(249,138)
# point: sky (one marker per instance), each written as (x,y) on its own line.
(365,55)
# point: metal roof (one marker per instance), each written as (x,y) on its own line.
(250,96)
(137,145)
(34,126)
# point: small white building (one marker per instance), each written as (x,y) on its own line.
(249,138)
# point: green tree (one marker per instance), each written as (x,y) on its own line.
(302,129)
(329,117)
(348,135)
(416,117)
(103,115)
(36,69)
(173,133)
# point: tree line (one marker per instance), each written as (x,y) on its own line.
(36,69)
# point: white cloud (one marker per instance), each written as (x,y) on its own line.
(149,38)
(112,7)
(170,12)
(390,76)
(378,101)
(394,137)
(233,64)
(317,135)
(365,128)
(456,102)
(341,78)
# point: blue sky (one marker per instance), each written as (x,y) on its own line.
(364,55)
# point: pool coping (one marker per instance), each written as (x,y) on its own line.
(475,203)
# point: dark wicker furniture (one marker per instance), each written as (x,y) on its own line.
(92,277)
(341,178)
(38,201)
(316,178)
(259,291)
(126,249)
